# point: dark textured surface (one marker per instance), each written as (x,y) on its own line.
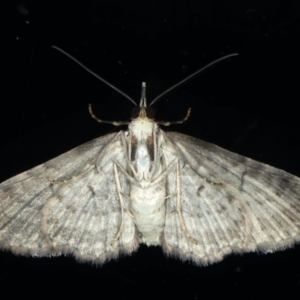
(247,105)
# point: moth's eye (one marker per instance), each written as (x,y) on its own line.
(135,112)
(150,111)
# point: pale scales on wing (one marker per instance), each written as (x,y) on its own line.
(196,200)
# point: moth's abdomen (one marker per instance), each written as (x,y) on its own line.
(148,208)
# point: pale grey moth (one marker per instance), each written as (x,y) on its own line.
(197,201)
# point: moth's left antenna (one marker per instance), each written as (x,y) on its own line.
(96,75)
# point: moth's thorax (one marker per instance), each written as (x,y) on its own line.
(141,146)
(142,128)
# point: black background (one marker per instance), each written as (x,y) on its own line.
(247,104)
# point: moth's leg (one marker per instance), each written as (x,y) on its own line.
(116,123)
(178,206)
(57,181)
(163,174)
(169,196)
(167,123)
(123,208)
(130,178)
(124,195)
(151,183)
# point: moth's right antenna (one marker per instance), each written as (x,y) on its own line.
(192,75)
(96,75)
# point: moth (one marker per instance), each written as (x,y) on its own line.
(197,201)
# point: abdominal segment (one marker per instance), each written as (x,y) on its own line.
(148,209)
